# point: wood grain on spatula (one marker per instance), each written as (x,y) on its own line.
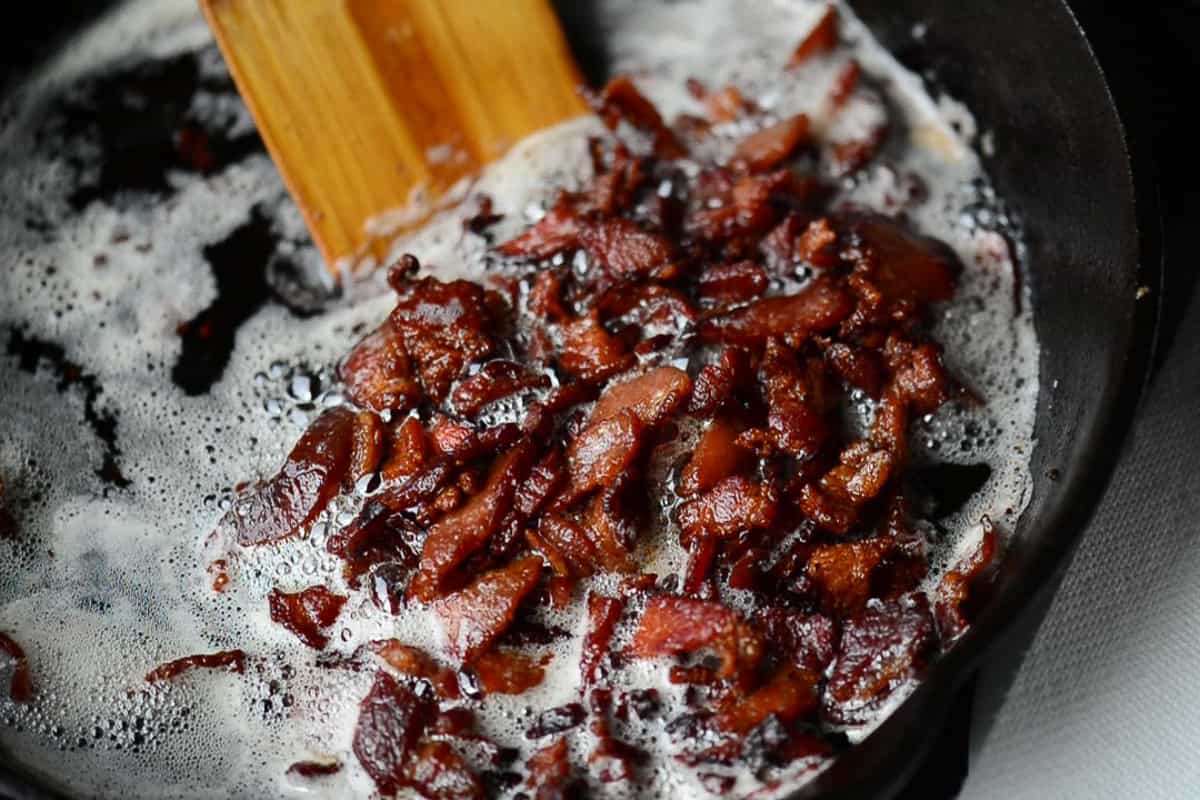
(366,104)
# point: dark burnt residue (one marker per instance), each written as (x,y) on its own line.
(31,353)
(142,119)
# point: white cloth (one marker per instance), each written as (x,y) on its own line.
(1106,703)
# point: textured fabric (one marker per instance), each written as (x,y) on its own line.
(1106,702)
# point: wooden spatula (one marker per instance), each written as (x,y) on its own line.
(374,106)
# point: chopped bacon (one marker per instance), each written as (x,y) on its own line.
(555,232)
(816,244)
(550,771)
(789,694)
(768,148)
(651,397)
(962,588)
(857,366)
(291,500)
(591,353)
(883,647)
(733,283)
(860,477)
(611,530)
(845,83)
(726,104)
(461,533)
(602,452)
(620,99)
(820,40)
(603,615)
(472,618)
(675,625)
(842,573)
(231,660)
(367,450)
(564,545)
(391,720)
(20,686)
(717,456)
(903,265)
(494,381)
(733,505)
(717,382)
(810,640)
(378,374)
(917,373)
(624,249)
(314,769)
(443,326)
(416,663)
(545,297)
(438,772)
(306,613)
(502,671)
(818,307)
(546,477)
(407,447)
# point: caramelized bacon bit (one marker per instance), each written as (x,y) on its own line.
(917,373)
(857,366)
(820,306)
(735,504)
(292,499)
(790,694)
(555,232)
(717,456)
(727,104)
(962,588)
(603,615)
(591,353)
(472,618)
(652,397)
(602,453)
(546,477)
(391,720)
(377,372)
(842,573)
(611,530)
(494,381)
(768,148)
(231,660)
(904,266)
(675,625)
(20,687)
(620,99)
(306,613)
(416,663)
(461,533)
(733,283)
(367,450)
(625,250)
(314,769)
(717,382)
(550,771)
(406,450)
(564,545)
(438,772)
(502,671)
(860,477)
(845,83)
(443,327)
(817,244)
(820,40)
(881,649)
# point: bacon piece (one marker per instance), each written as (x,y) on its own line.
(883,647)
(603,615)
(591,353)
(790,693)
(494,381)
(391,720)
(717,382)
(407,449)
(717,456)
(564,545)
(613,189)
(443,327)
(306,613)
(857,366)
(845,83)
(550,772)
(416,663)
(545,297)
(733,505)
(810,640)
(620,99)
(724,105)
(292,499)
(608,525)
(860,477)
(20,686)
(314,769)
(820,306)
(625,250)
(842,573)
(750,206)
(231,660)
(797,402)
(377,373)
(903,265)
(555,232)
(546,477)
(601,453)
(769,147)
(502,671)
(472,618)
(817,244)
(889,430)
(917,373)
(674,625)
(821,39)
(461,533)
(962,588)
(438,772)
(733,283)
(367,450)
(651,397)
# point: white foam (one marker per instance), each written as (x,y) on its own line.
(126,586)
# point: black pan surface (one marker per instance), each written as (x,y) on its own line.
(1065,161)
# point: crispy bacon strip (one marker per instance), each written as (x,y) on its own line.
(231,660)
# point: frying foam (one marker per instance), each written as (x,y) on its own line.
(107,582)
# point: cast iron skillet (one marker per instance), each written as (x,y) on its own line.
(1064,161)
